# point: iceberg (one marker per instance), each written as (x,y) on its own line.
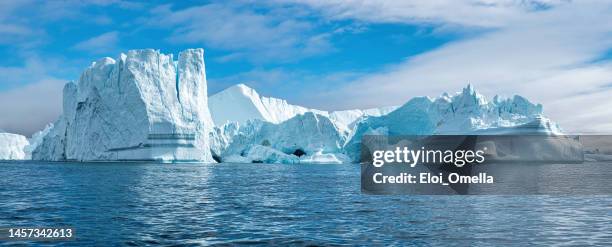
(142,106)
(312,136)
(12,146)
(464,113)
(240,103)
(145,106)
(221,137)
(304,138)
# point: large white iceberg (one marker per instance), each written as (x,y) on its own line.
(12,146)
(466,112)
(240,103)
(142,106)
(313,136)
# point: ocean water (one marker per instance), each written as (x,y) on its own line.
(139,204)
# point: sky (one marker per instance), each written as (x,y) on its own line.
(326,54)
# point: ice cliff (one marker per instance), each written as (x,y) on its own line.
(141,106)
(12,146)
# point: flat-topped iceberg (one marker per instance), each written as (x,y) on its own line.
(142,106)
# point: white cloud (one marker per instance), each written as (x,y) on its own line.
(479,13)
(33,69)
(13,28)
(103,43)
(548,56)
(23,24)
(261,36)
(28,109)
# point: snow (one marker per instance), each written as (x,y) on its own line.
(142,106)
(12,146)
(240,103)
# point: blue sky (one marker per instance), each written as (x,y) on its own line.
(326,54)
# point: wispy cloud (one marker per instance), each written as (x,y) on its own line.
(33,69)
(259,36)
(103,43)
(547,56)
(13,28)
(478,13)
(24,24)
(83,11)
(550,51)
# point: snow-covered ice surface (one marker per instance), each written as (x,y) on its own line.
(12,146)
(240,103)
(142,106)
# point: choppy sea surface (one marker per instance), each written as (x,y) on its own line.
(140,204)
